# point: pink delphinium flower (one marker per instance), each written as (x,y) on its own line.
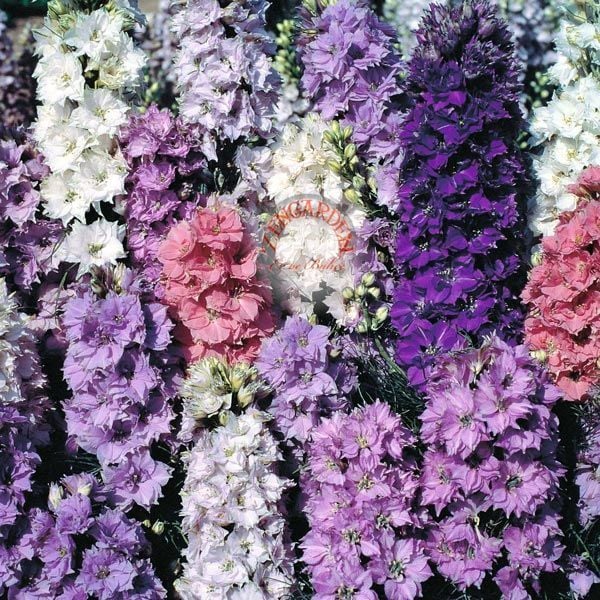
(213,286)
(563,292)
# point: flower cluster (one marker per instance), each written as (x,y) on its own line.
(563,291)
(122,378)
(22,428)
(223,70)
(460,244)
(163,165)
(236,535)
(17,85)
(361,486)
(350,73)
(27,238)
(568,126)
(531,23)
(211,389)
(74,547)
(213,284)
(491,457)
(299,363)
(310,248)
(87,65)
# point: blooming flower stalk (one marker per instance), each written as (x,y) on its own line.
(491,457)
(164,168)
(300,364)
(235,531)
(531,22)
(88,69)
(310,237)
(23,404)
(362,485)
(122,379)
(567,128)
(213,284)
(76,545)
(562,293)
(351,72)
(225,78)
(460,242)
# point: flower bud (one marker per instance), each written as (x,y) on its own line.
(146,523)
(55,495)
(536,258)
(352,196)
(329,137)
(368,279)
(334,165)
(382,313)
(350,151)
(358,182)
(374,292)
(347,132)
(238,376)
(348,293)
(362,327)
(158,528)
(334,353)
(245,397)
(361,290)
(313,319)
(85,489)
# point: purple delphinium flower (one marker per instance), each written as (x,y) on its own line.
(361,487)
(461,237)
(491,455)
(165,165)
(351,72)
(105,573)
(23,427)
(308,383)
(223,71)
(27,237)
(76,545)
(122,377)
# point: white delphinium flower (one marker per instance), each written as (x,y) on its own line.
(63,147)
(20,375)
(100,112)
(236,534)
(210,387)
(60,78)
(300,166)
(310,246)
(87,69)
(64,198)
(568,128)
(98,244)
(93,34)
